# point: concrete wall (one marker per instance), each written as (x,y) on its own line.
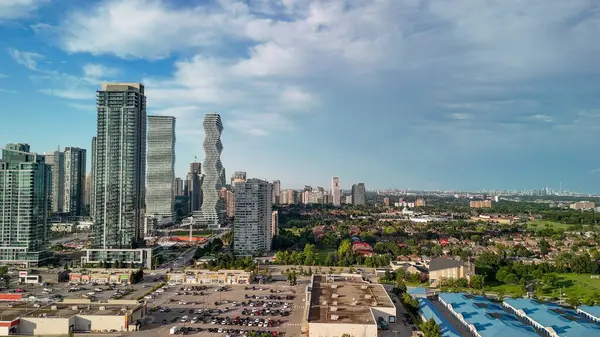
(385,313)
(44,326)
(338,329)
(4,330)
(99,322)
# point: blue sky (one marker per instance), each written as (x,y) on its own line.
(422,94)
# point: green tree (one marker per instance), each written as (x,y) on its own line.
(544,246)
(477,282)
(430,328)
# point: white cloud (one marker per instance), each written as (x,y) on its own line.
(71,93)
(99,71)
(542,118)
(7,91)
(28,59)
(595,170)
(474,53)
(84,107)
(3,76)
(15,9)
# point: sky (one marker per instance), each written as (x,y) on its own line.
(421,94)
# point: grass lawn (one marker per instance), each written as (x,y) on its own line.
(322,254)
(541,224)
(573,285)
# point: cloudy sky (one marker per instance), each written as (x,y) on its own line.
(422,94)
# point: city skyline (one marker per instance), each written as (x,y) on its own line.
(504,108)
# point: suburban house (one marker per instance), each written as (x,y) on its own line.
(442,267)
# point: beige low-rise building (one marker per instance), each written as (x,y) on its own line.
(345,304)
(74,315)
(447,268)
(205,276)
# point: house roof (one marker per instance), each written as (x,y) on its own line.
(440,263)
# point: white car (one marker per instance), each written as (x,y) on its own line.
(194,320)
(184,319)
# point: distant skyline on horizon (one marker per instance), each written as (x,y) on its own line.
(428,95)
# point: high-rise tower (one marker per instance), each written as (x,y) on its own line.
(276,191)
(92,191)
(359,194)
(253,215)
(161,166)
(56,161)
(192,187)
(213,208)
(25,206)
(120,166)
(74,180)
(335,191)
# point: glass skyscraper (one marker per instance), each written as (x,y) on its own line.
(24,206)
(213,207)
(161,166)
(119,166)
(74,180)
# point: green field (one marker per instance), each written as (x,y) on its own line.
(322,254)
(572,285)
(542,224)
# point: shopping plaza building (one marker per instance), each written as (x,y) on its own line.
(205,276)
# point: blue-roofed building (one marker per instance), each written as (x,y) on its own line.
(590,312)
(416,291)
(483,317)
(552,319)
(428,311)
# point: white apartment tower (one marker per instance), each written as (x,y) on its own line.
(253,215)
(160,167)
(276,191)
(336,193)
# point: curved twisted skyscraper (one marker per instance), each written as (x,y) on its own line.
(213,207)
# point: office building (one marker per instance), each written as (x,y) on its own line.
(178,187)
(193,187)
(276,191)
(92,190)
(213,210)
(274,223)
(420,202)
(359,194)
(336,193)
(386,201)
(253,212)
(25,207)
(230,200)
(74,181)
(56,160)
(160,167)
(480,203)
(582,205)
(119,170)
(238,176)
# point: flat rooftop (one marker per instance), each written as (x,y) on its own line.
(347,298)
(10,313)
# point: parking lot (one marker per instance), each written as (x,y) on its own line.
(274,307)
(98,292)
